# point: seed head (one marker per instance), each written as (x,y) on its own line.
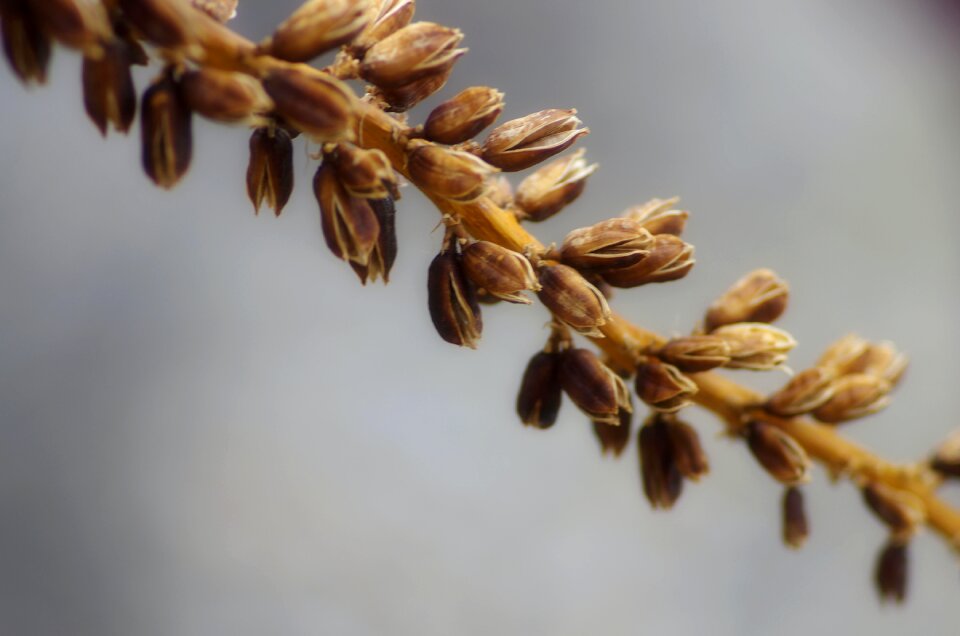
(554,186)
(270,170)
(313,102)
(662,386)
(317,27)
(538,401)
(414,52)
(593,387)
(693,354)
(390,16)
(805,392)
(501,272)
(524,142)
(109,95)
(223,96)
(659,217)
(755,346)
(453,300)
(669,259)
(796,528)
(464,115)
(854,396)
(760,296)
(572,299)
(451,174)
(611,244)
(166,132)
(779,454)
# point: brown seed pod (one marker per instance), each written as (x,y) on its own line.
(451,174)
(399,99)
(365,173)
(890,571)
(501,272)
(779,454)
(688,453)
(553,187)
(270,170)
(316,27)
(78,24)
(524,142)
(414,52)
(760,296)
(658,216)
(669,259)
(755,346)
(613,439)
(693,354)
(593,387)
(804,392)
(166,132)
(313,102)
(26,45)
(854,396)
(350,225)
(796,528)
(606,245)
(464,115)
(538,401)
(224,97)
(662,386)
(453,300)
(572,299)
(662,480)
(109,95)
(390,17)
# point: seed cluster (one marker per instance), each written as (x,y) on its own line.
(367,147)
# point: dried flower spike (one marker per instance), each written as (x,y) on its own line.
(501,272)
(463,116)
(166,131)
(553,187)
(453,300)
(572,299)
(796,528)
(524,142)
(270,170)
(760,296)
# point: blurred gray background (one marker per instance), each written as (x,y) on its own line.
(208,427)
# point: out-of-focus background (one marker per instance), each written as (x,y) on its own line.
(208,427)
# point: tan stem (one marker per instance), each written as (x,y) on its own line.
(623,341)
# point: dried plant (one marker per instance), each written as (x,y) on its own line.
(487,254)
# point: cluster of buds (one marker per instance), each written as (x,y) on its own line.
(486,256)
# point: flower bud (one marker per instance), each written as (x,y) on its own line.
(693,354)
(755,346)
(317,27)
(760,296)
(464,115)
(109,95)
(25,44)
(614,438)
(166,132)
(453,301)
(219,10)
(554,186)
(223,96)
(270,170)
(502,272)
(669,259)
(890,572)
(414,52)
(399,99)
(79,24)
(658,216)
(614,243)
(662,386)
(796,529)
(854,396)
(538,401)
(524,142)
(946,457)
(451,174)
(365,173)
(806,391)
(350,225)
(901,511)
(391,16)
(688,454)
(593,387)
(662,480)
(778,453)
(313,102)
(573,300)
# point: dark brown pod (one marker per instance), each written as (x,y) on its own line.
(25,44)
(538,401)
(166,131)
(313,102)
(890,572)
(350,225)
(270,170)
(779,454)
(593,387)
(452,301)
(386,251)
(663,386)
(662,480)
(614,438)
(109,95)
(463,116)
(796,528)
(688,453)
